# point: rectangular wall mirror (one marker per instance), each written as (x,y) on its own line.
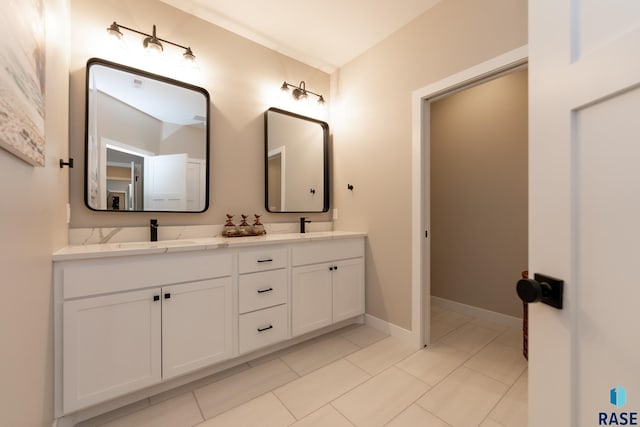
(146,141)
(296,163)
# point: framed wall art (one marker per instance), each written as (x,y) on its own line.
(22,79)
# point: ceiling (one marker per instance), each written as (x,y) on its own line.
(325,34)
(187,107)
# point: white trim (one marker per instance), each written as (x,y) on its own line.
(477,312)
(389,328)
(420,283)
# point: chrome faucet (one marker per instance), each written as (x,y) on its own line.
(303,222)
(153,230)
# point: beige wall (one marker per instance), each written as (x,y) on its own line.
(371,119)
(479,194)
(243,79)
(32,226)
(183,139)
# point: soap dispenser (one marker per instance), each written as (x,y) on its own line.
(258,228)
(244,229)
(230,229)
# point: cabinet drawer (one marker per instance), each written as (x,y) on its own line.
(262,290)
(269,258)
(317,252)
(122,274)
(262,328)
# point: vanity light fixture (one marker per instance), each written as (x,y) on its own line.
(151,42)
(301,92)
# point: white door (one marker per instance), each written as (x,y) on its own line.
(584,71)
(196,325)
(348,289)
(165,182)
(196,177)
(111,346)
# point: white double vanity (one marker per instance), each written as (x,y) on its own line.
(134,319)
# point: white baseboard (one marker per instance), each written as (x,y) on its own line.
(480,313)
(389,328)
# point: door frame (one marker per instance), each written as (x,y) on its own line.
(420,200)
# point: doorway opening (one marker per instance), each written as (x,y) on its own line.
(478,201)
(421,209)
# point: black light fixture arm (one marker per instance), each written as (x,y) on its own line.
(303,88)
(116,26)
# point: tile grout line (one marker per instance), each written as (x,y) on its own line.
(343,358)
(431,387)
(414,402)
(371,377)
(193,392)
(343,415)
(298,377)
(342,394)
(471,355)
(326,364)
(256,397)
(495,379)
(502,398)
(454,329)
(285,407)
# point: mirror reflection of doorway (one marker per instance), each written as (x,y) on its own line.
(124,180)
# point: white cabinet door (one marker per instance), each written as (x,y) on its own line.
(196,325)
(348,289)
(111,346)
(311,297)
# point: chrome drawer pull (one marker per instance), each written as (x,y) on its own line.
(265,328)
(262,291)
(265,260)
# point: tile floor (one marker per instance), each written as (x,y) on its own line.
(473,374)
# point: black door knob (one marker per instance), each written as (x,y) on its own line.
(541,289)
(530,290)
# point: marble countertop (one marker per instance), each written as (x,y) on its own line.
(105,250)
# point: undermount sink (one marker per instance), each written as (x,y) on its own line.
(150,245)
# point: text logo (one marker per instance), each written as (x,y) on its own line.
(618,396)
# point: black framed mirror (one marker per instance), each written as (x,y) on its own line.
(296,163)
(146,141)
